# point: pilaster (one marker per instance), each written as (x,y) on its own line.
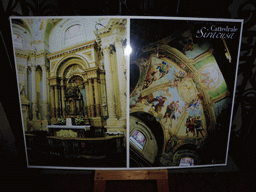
(91,106)
(97,102)
(121,79)
(33,87)
(112,120)
(44,99)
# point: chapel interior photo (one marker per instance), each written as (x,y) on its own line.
(72,81)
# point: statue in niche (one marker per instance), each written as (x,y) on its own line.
(71,106)
(73,87)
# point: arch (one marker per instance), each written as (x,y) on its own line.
(69,78)
(143,141)
(154,126)
(17,40)
(57,35)
(23,24)
(24,34)
(67,25)
(60,68)
(73,33)
(183,153)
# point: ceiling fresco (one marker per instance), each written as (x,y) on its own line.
(178,80)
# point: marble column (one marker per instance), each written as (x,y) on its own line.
(62,98)
(91,98)
(52,102)
(87,114)
(45,102)
(121,69)
(56,101)
(103,94)
(49,97)
(33,87)
(110,89)
(97,101)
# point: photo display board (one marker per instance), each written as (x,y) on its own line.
(124,92)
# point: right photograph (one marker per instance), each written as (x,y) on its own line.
(182,83)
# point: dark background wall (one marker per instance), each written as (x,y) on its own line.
(15,175)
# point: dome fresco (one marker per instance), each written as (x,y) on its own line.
(175,91)
(165,86)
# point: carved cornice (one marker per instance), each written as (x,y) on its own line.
(92,73)
(202,56)
(219,97)
(36,54)
(72,50)
(112,24)
(21,54)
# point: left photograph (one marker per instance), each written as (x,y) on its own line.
(71,74)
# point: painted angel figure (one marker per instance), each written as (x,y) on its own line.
(163,68)
(177,107)
(161,100)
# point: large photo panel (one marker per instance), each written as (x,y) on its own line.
(78,111)
(71,74)
(182,78)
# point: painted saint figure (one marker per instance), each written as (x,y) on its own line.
(170,112)
(172,142)
(198,126)
(161,100)
(190,125)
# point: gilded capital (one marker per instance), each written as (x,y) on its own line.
(106,50)
(33,68)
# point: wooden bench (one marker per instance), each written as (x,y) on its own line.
(161,176)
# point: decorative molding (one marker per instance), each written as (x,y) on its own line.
(89,54)
(219,97)
(53,64)
(21,54)
(108,30)
(72,50)
(202,56)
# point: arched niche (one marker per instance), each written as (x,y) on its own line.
(75,96)
(142,140)
(152,131)
(61,66)
(57,34)
(73,34)
(24,34)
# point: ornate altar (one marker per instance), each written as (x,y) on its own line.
(80,131)
(74,104)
